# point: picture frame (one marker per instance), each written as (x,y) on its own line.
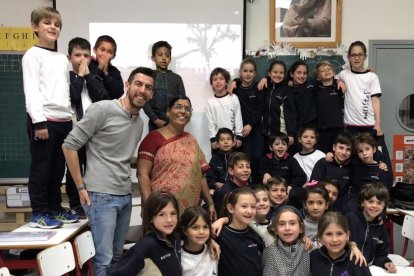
(306,24)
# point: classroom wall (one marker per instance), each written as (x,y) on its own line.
(361,20)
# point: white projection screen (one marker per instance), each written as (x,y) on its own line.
(203,34)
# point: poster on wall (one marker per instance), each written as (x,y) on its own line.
(403,158)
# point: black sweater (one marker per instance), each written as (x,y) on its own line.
(323,264)
(218,169)
(329,106)
(112,81)
(300,108)
(272,101)
(249,104)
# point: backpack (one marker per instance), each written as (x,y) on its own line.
(402,196)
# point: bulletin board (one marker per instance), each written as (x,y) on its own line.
(403,158)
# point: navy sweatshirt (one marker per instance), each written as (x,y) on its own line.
(287,167)
(323,264)
(370,237)
(159,254)
(218,169)
(329,106)
(249,104)
(112,81)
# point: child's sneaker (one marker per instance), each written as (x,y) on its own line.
(44,221)
(66,216)
(79,210)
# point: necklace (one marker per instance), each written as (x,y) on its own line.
(121,102)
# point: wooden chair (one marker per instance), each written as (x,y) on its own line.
(407,232)
(56,260)
(4,271)
(85,250)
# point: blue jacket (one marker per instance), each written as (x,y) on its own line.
(218,169)
(370,237)
(151,253)
(323,264)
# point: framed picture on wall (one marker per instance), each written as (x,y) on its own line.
(306,23)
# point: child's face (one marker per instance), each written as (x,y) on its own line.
(334,238)
(366,153)
(279,148)
(105,51)
(225,142)
(243,212)
(78,56)
(316,206)
(247,73)
(162,59)
(288,227)
(372,208)
(277,74)
(342,153)
(197,234)
(219,83)
(357,58)
(262,204)
(332,191)
(240,172)
(300,75)
(278,194)
(166,220)
(308,140)
(326,73)
(48,31)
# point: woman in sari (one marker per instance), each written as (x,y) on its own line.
(170,159)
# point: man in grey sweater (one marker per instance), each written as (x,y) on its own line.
(111,130)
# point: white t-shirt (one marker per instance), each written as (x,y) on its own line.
(307,161)
(358,110)
(201,264)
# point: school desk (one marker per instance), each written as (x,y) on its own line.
(66,233)
(401,271)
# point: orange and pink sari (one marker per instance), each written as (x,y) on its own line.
(178,166)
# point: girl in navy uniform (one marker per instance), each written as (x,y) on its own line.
(333,258)
(158,252)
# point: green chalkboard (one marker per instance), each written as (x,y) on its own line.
(264,62)
(14,144)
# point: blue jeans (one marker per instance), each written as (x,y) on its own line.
(109,217)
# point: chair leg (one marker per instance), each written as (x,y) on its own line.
(90,268)
(389,226)
(405,247)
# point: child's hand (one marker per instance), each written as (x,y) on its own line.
(291,140)
(341,85)
(355,252)
(160,123)
(289,188)
(41,134)
(246,130)
(83,68)
(215,250)
(218,186)
(329,157)
(262,84)
(214,145)
(308,243)
(238,143)
(390,267)
(103,63)
(266,177)
(231,87)
(218,225)
(383,166)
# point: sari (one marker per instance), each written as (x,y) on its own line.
(179,165)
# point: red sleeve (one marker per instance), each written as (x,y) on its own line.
(150,145)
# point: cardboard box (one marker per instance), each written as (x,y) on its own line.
(17,197)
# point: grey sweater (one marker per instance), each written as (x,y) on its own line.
(111,136)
